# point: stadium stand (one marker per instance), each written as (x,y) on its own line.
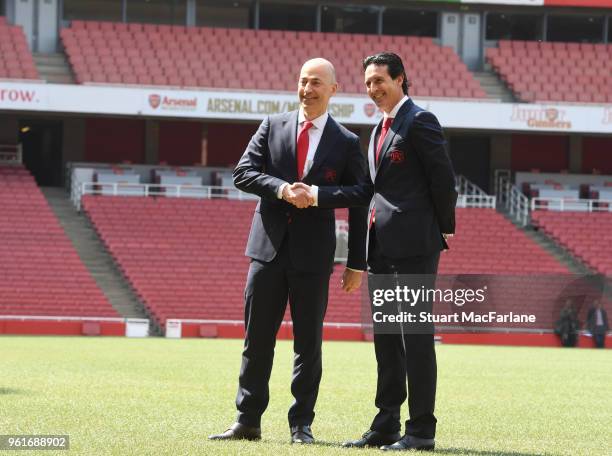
(177,56)
(570,230)
(487,243)
(41,272)
(549,71)
(185,257)
(16,60)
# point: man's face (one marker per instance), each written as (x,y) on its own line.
(384,91)
(315,87)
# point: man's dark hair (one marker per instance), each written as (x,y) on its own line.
(395,66)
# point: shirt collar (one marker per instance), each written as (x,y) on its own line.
(396,108)
(318,123)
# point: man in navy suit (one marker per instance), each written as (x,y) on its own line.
(411,215)
(292,244)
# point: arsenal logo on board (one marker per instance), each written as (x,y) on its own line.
(369,109)
(154,100)
(552,114)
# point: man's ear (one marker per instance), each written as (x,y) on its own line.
(400,79)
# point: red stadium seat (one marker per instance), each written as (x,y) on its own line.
(230,48)
(559,65)
(16,60)
(41,272)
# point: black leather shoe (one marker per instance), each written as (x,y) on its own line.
(409,442)
(238,432)
(301,434)
(373,439)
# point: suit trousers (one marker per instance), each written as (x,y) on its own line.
(269,285)
(402,357)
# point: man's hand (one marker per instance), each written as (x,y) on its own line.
(447,236)
(298,194)
(351,280)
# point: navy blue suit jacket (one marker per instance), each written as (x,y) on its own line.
(414,185)
(270,160)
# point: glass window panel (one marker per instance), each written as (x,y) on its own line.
(157,11)
(276,16)
(410,22)
(349,19)
(95,10)
(502,26)
(223,13)
(581,29)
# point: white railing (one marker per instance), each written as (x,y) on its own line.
(471,195)
(11,154)
(571,204)
(499,175)
(483,201)
(511,198)
(167,190)
(476,197)
(75,191)
(467,187)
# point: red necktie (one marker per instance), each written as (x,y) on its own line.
(383,133)
(302,147)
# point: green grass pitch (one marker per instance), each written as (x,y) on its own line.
(164,397)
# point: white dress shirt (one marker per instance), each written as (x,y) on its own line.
(314,138)
(396,108)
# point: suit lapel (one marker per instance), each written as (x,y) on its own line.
(371,153)
(396,126)
(289,143)
(328,138)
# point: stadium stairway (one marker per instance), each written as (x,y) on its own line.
(493,85)
(561,254)
(54,68)
(94,255)
(586,235)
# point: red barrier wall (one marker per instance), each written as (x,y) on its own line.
(58,328)
(236,331)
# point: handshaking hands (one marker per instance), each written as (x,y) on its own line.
(299,194)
